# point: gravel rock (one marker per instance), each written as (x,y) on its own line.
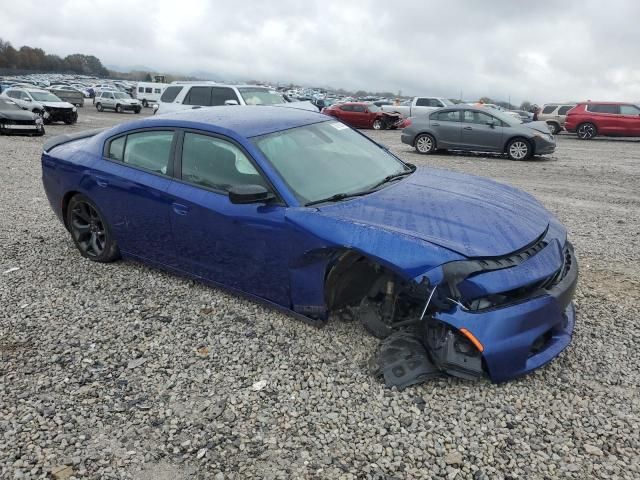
(70,327)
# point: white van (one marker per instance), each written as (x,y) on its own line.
(148,92)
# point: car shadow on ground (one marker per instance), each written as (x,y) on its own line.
(483,156)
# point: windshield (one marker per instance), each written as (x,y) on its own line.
(120,95)
(44,97)
(447,102)
(506,118)
(325,159)
(261,96)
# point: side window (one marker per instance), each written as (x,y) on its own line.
(217,164)
(448,116)
(423,102)
(433,102)
(147,150)
(156,90)
(549,109)
(347,108)
(140,89)
(148,90)
(198,96)
(13,94)
(24,96)
(358,108)
(480,118)
(564,109)
(116,148)
(220,95)
(629,110)
(603,108)
(170,94)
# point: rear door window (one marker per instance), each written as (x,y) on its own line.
(603,108)
(149,151)
(423,102)
(447,116)
(358,108)
(563,110)
(549,109)
(198,96)
(170,94)
(347,108)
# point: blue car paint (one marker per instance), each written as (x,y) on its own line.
(280,253)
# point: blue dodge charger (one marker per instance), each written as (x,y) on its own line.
(457,274)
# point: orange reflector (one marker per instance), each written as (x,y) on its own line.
(472,339)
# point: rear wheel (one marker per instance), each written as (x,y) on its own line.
(586,131)
(425,143)
(90,231)
(519,149)
(137,110)
(99,107)
(118,108)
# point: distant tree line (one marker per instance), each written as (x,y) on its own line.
(36,59)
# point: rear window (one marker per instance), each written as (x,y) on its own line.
(170,94)
(549,109)
(603,108)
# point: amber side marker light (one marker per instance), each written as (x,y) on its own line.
(472,339)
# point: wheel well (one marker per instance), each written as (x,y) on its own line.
(520,137)
(65,204)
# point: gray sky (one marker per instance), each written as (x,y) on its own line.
(537,50)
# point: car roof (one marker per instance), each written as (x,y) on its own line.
(246,120)
(588,102)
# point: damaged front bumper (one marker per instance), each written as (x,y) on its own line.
(503,341)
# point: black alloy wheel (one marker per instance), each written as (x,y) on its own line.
(89,231)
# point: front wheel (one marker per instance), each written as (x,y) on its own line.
(99,107)
(118,108)
(554,128)
(586,131)
(425,144)
(90,231)
(519,149)
(377,124)
(137,110)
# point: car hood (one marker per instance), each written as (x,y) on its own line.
(473,216)
(56,104)
(17,114)
(538,126)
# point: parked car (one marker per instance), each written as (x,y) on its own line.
(522,115)
(149,93)
(364,115)
(615,119)
(555,115)
(189,95)
(68,94)
(464,127)
(43,103)
(118,101)
(483,273)
(16,120)
(418,106)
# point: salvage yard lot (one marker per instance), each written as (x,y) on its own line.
(122,371)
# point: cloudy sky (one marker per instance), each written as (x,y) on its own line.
(537,50)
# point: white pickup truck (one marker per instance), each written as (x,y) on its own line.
(418,106)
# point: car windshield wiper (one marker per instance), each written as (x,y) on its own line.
(337,197)
(389,178)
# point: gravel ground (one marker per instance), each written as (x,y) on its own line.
(122,371)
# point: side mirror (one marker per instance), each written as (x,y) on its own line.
(27,99)
(243,194)
(492,124)
(231,102)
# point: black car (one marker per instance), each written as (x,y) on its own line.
(15,120)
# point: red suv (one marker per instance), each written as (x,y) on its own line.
(589,119)
(364,115)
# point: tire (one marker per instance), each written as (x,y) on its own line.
(377,124)
(519,149)
(554,128)
(425,144)
(99,107)
(586,131)
(137,110)
(90,232)
(145,104)
(118,108)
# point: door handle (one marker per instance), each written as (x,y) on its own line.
(435,124)
(180,209)
(102,182)
(468,128)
